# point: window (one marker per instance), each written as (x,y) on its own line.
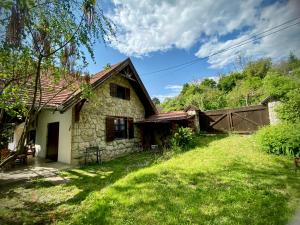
(119,91)
(119,128)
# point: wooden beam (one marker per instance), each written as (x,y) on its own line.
(78,108)
(218,120)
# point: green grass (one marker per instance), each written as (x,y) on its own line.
(224,180)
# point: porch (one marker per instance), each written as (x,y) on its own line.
(36,167)
(157,129)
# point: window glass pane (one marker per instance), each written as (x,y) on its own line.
(121,92)
(120,128)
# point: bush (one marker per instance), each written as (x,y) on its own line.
(289,110)
(183,137)
(280,139)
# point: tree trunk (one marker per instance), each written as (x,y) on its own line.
(31,115)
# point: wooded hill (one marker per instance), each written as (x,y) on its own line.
(249,86)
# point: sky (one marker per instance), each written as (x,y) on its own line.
(158,34)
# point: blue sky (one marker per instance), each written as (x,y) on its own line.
(159,34)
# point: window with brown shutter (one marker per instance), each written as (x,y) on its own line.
(119,91)
(120,125)
(119,128)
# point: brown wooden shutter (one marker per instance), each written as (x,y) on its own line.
(127,93)
(113,90)
(110,129)
(130,128)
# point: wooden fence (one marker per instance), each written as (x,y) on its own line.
(239,120)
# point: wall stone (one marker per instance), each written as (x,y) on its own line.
(272,113)
(90,129)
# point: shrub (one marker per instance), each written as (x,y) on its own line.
(183,137)
(280,139)
(289,110)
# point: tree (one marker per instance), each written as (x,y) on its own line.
(247,92)
(278,85)
(228,82)
(209,83)
(49,37)
(155,101)
(258,68)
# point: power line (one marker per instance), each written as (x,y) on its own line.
(239,45)
(252,38)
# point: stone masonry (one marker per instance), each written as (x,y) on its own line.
(90,129)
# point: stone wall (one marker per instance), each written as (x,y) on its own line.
(90,129)
(272,113)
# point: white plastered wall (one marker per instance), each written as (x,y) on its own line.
(64,139)
(17,135)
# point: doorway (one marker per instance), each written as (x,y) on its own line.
(52,141)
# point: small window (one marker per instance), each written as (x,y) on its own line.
(119,91)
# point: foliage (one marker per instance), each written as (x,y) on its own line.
(278,85)
(182,137)
(222,181)
(156,101)
(289,109)
(107,66)
(227,83)
(258,68)
(45,38)
(280,139)
(249,86)
(247,92)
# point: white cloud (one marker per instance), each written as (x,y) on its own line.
(174,91)
(275,46)
(164,97)
(174,87)
(147,26)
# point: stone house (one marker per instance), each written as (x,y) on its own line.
(113,120)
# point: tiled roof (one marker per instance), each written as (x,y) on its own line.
(55,94)
(64,94)
(102,74)
(165,117)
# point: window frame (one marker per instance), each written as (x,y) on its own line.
(118,91)
(114,129)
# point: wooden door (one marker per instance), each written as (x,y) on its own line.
(52,141)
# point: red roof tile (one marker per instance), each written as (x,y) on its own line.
(55,94)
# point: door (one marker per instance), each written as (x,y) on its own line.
(52,141)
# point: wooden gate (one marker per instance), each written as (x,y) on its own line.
(239,120)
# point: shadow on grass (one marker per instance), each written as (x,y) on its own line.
(239,194)
(85,180)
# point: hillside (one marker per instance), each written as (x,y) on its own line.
(249,86)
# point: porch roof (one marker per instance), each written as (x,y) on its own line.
(166,117)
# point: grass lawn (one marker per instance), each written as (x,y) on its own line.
(224,180)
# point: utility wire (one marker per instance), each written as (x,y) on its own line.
(236,46)
(252,38)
